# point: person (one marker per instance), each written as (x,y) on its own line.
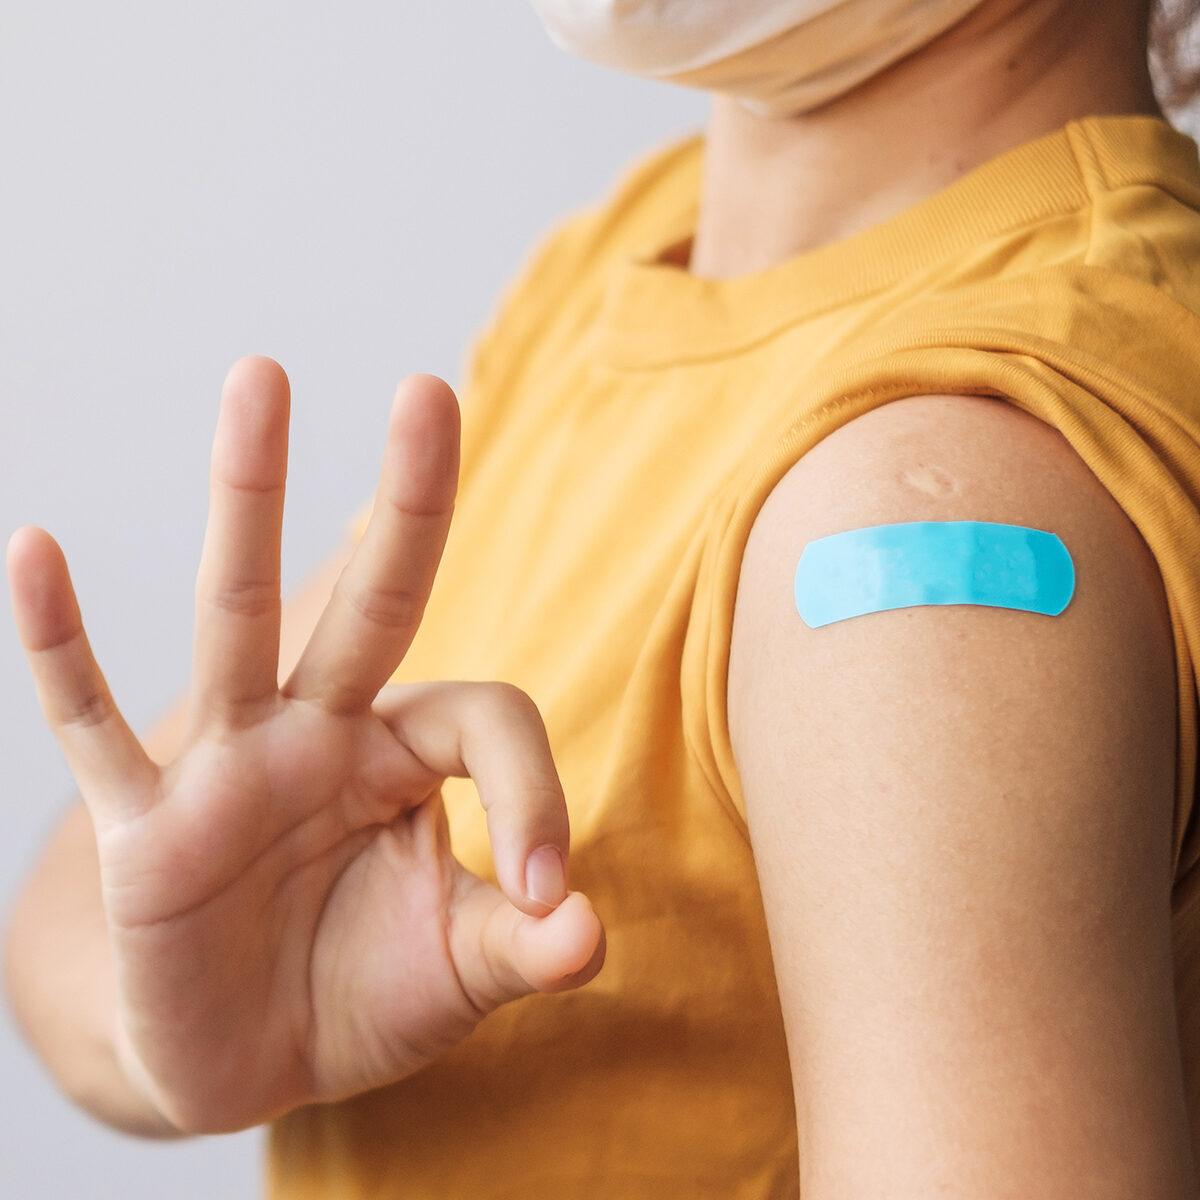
(901,903)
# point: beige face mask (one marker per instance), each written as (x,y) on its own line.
(777,57)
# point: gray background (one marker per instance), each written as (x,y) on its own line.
(343,188)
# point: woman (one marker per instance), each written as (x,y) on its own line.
(898,899)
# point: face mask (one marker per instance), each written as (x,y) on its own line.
(777,57)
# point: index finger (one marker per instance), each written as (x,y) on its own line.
(380,597)
(493,733)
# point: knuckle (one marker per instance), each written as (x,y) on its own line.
(250,487)
(506,701)
(248,598)
(409,509)
(85,710)
(545,794)
(390,608)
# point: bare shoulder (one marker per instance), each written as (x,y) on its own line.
(962,819)
(949,458)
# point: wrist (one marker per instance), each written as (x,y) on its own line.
(145,1106)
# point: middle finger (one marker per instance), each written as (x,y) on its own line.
(236,644)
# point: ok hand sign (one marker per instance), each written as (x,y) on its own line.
(287,922)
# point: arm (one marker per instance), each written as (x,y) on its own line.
(58,969)
(961,817)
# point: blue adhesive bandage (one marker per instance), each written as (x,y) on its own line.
(932,562)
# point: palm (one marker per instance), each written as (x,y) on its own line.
(287,922)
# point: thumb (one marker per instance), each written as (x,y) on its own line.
(501,953)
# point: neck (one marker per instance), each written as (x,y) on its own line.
(1011,71)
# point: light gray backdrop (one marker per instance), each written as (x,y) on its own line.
(344,188)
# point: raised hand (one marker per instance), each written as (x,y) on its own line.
(287,922)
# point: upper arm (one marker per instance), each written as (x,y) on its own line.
(961,817)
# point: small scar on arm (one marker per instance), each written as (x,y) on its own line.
(933,481)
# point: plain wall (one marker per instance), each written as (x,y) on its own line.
(345,188)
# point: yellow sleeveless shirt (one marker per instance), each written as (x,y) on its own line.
(623,421)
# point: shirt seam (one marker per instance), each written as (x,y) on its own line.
(1087,161)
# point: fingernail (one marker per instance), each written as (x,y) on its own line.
(546,877)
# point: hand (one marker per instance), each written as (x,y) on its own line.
(287,922)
